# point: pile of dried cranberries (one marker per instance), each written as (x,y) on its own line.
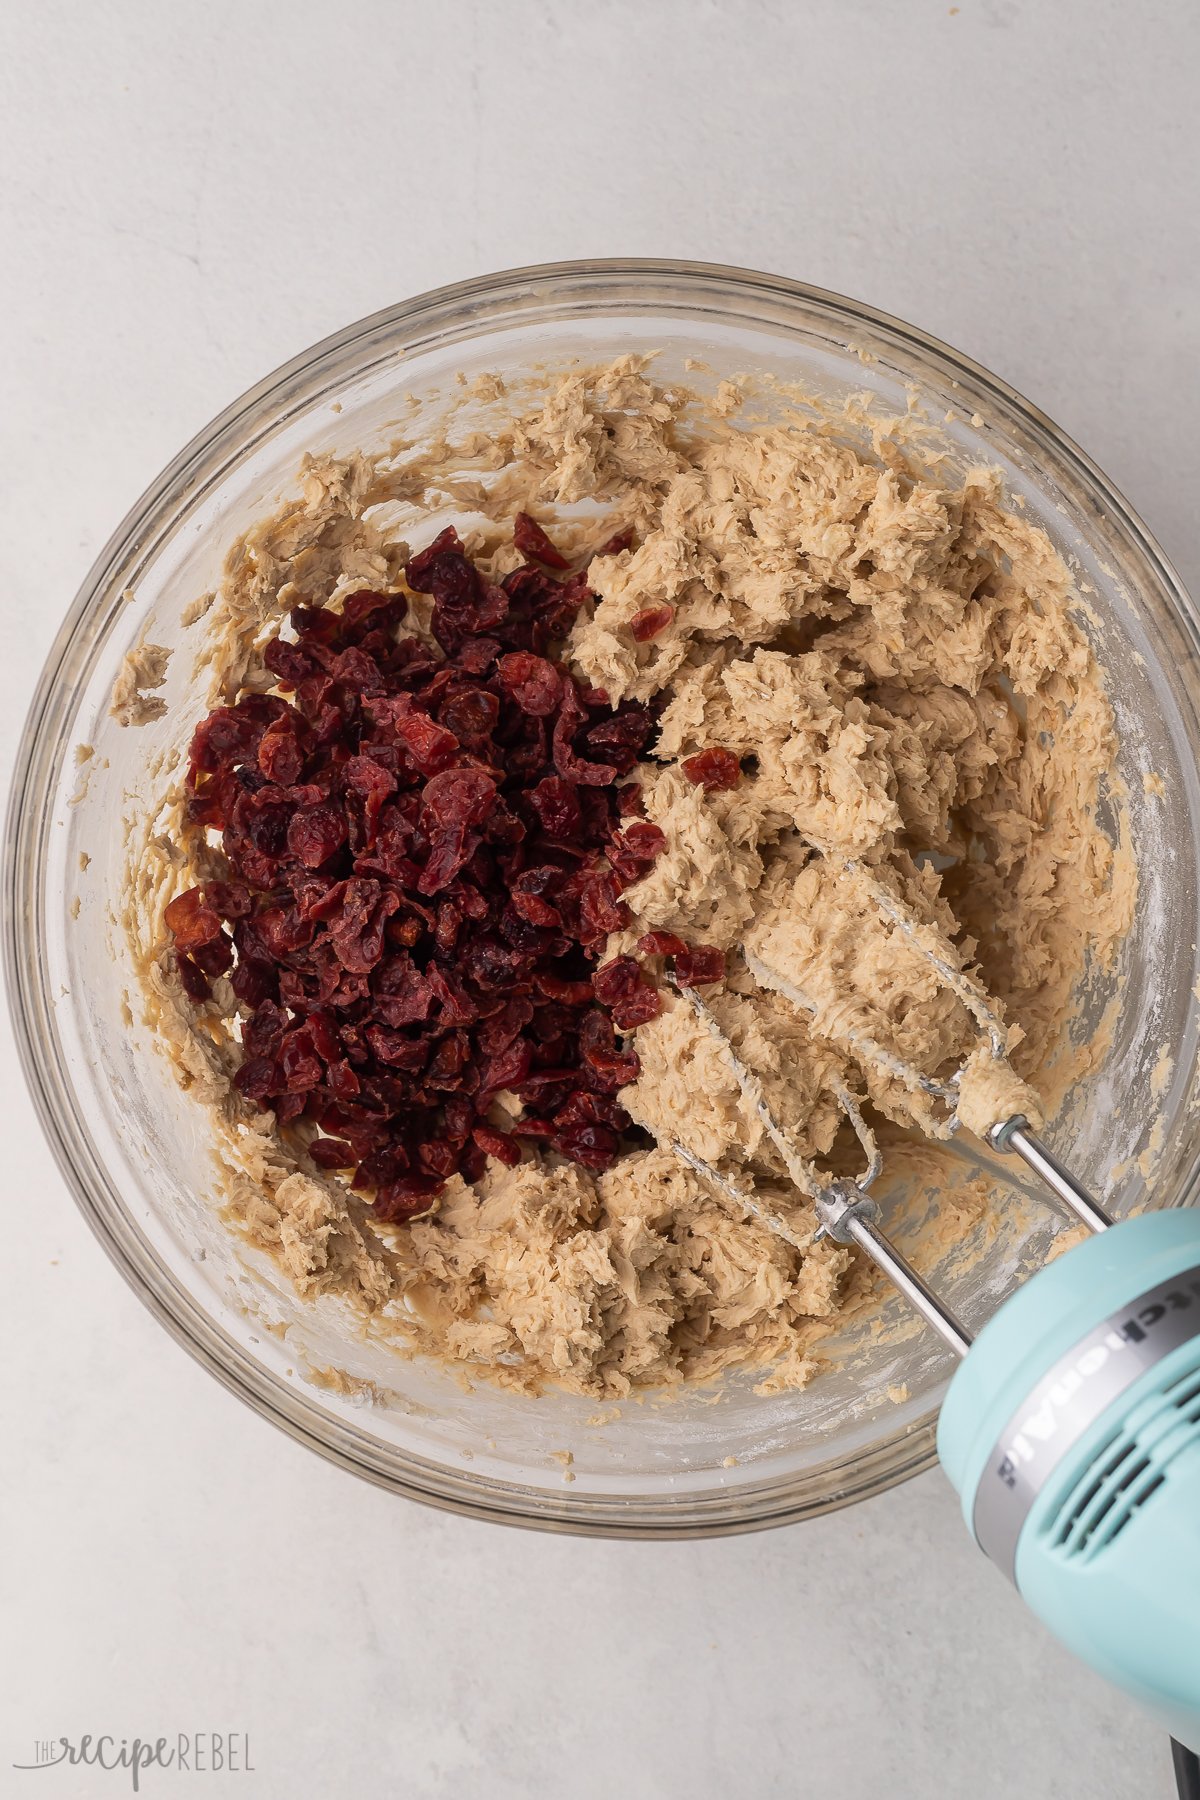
(425,852)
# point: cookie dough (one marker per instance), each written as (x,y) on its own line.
(895,659)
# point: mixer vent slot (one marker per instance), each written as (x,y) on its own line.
(1188,1400)
(1127,1470)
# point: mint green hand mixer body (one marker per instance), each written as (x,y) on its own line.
(1071,1429)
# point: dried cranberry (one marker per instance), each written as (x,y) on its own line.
(263,1031)
(637,1008)
(477,654)
(532,541)
(459,798)
(699,965)
(191,920)
(568,993)
(280,756)
(438,1157)
(288,662)
(255,1079)
(570,765)
(534,910)
(498,1144)
(214,958)
(357,928)
(448,1062)
(402,994)
(647,623)
(429,744)
(331,1153)
(367,777)
(355,669)
(643,840)
(615,980)
(455,1005)
(661,943)
(323,1032)
(537,1129)
(534,683)
(713,770)
(315,833)
(437,567)
(471,715)
(615,1069)
(620,986)
(586,1108)
(193,980)
(556,803)
(634,849)
(600,910)
(625,731)
(594,1146)
(405,1198)
(367,609)
(545,1089)
(509,1069)
(395,1050)
(229,898)
(253,982)
(458,1116)
(298,1065)
(449,924)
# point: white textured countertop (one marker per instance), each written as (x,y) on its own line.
(188,199)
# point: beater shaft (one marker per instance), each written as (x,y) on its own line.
(849,1216)
(1015,1135)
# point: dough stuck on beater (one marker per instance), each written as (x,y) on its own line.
(991,1092)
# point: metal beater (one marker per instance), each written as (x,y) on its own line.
(846,1210)
(1071,1428)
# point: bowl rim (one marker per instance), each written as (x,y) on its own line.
(202,461)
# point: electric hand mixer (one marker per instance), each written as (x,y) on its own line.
(1071,1429)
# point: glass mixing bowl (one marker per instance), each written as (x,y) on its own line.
(132,1145)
